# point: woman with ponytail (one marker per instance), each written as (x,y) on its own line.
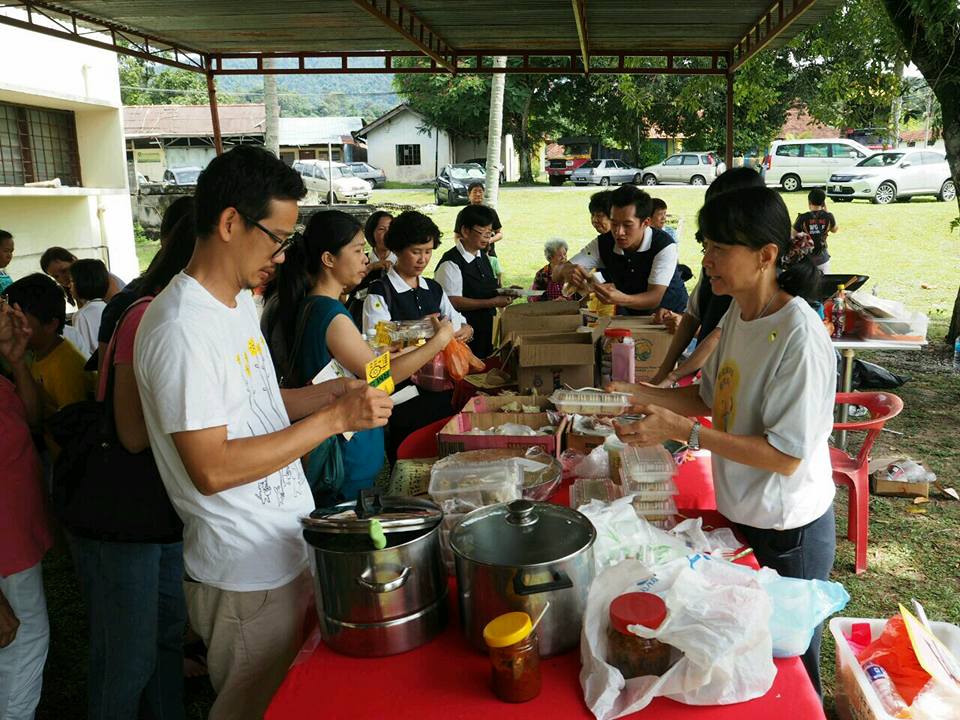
(769,387)
(314,328)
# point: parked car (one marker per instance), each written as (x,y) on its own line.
(181,176)
(605,172)
(793,164)
(346,187)
(695,168)
(482,162)
(894,175)
(451,184)
(375,177)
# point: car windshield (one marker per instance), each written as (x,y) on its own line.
(472,172)
(186,177)
(880,160)
(345,171)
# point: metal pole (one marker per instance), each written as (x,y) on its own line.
(330,196)
(214,110)
(847,386)
(728,155)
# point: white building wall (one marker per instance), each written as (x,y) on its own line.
(93,220)
(467,149)
(403,129)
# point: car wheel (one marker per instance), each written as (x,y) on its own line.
(372,184)
(698,180)
(790,183)
(649,179)
(948,191)
(331,198)
(637,179)
(885,194)
(436,195)
(556,181)
(604,181)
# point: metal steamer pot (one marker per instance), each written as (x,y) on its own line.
(518,557)
(378,602)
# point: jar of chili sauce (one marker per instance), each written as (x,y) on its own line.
(636,656)
(514,657)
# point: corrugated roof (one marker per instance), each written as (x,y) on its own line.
(317,130)
(146,121)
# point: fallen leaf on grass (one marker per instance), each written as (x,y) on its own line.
(913,509)
(949,491)
(928,287)
(920,500)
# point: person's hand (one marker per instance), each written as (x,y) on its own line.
(363,407)
(335,388)
(502,300)
(609,294)
(464,334)
(667,318)
(442,331)
(9,624)
(658,426)
(663,381)
(387,265)
(14,333)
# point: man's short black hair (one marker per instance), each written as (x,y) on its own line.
(657,204)
(5,235)
(55,254)
(247,178)
(90,279)
(39,295)
(817,197)
(474,216)
(411,228)
(600,202)
(632,195)
(474,184)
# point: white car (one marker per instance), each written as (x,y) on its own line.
(894,175)
(793,164)
(346,186)
(695,168)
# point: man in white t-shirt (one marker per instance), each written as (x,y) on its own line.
(220,431)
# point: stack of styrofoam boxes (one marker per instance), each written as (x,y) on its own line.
(460,487)
(647,474)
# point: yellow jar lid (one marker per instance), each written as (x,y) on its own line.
(507,629)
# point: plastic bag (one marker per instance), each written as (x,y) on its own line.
(894,652)
(717,618)
(594,465)
(460,360)
(936,701)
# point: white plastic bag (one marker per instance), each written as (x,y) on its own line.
(936,701)
(717,618)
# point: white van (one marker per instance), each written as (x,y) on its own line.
(792,164)
(346,186)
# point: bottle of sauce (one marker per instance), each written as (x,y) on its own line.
(635,656)
(514,657)
(839,313)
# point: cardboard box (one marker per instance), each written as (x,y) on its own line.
(553,317)
(651,343)
(890,488)
(494,403)
(452,437)
(582,443)
(547,362)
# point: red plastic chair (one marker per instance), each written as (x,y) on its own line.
(852,471)
(421,443)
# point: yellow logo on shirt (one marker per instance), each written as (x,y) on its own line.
(725,396)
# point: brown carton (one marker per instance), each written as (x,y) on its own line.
(554,317)
(455,437)
(651,343)
(546,362)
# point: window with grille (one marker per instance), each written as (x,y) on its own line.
(408,155)
(37,144)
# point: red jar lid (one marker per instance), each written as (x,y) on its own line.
(617,332)
(637,608)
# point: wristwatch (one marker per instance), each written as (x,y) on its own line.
(693,442)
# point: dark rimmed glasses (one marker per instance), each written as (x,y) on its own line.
(282,243)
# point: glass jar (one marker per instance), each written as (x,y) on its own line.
(514,657)
(635,656)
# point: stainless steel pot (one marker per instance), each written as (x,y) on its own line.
(520,556)
(378,602)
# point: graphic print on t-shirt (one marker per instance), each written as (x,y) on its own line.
(256,372)
(725,396)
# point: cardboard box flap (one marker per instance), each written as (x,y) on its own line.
(558,307)
(556,350)
(561,316)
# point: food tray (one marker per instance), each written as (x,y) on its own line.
(590,402)
(653,507)
(645,466)
(459,487)
(912,328)
(584,490)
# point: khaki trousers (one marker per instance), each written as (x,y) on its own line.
(251,638)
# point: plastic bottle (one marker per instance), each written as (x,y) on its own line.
(956,355)
(839,314)
(885,690)
(624,361)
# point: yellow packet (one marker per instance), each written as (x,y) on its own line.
(378,373)
(383,334)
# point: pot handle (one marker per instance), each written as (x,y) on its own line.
(560,581)
(365,581)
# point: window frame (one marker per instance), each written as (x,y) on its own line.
(38,144)
(403,160)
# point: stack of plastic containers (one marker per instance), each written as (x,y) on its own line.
(584,490)
(590,402)
(647,474)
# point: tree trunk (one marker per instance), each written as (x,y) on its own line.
(271,132)
(954,330)
(524,145)
(896,107)
(491,191)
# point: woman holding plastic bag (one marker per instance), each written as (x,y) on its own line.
(315,328)
(770,388)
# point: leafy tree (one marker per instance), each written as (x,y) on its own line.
(145,83)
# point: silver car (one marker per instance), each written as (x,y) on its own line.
(605,172)
(894,175)
(375,177)
(695,168)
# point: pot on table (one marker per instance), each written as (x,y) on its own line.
(518,557)
(374,602)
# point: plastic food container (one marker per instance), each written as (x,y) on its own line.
(640,467)
(590,402)
(584,490)
(911,328)
(854,696)
(459,487)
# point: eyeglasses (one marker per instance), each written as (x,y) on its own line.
(485,235)
(282,243)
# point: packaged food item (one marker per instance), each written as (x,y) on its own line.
(459,487)
(590,402)
(634,656)
(623,360)
(614,448)
(514,657)
(643,466)
(584,490)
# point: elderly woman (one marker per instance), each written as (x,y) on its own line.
(556,253)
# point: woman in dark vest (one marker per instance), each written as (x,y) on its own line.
(404,294)
(638,262)
(468,278)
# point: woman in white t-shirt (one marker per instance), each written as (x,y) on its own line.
(89,282)
(770,388)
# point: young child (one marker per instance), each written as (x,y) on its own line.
(89,282)
(817,223)
(659,219)
(6,255)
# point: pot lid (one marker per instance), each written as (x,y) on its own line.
(522,533)
(394,514)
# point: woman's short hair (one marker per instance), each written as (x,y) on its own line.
(412,228)
(550,247)
(600,202)
(55,254)
(90,279)
(370,226)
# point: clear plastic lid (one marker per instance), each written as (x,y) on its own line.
(460,487)
(590,402)
(584,490)
(646,465)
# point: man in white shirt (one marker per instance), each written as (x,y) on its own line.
(639,261)
(220,430)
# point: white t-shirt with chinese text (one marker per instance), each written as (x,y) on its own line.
(774,376)
(200,364)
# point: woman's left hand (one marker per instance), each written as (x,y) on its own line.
(658,426)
